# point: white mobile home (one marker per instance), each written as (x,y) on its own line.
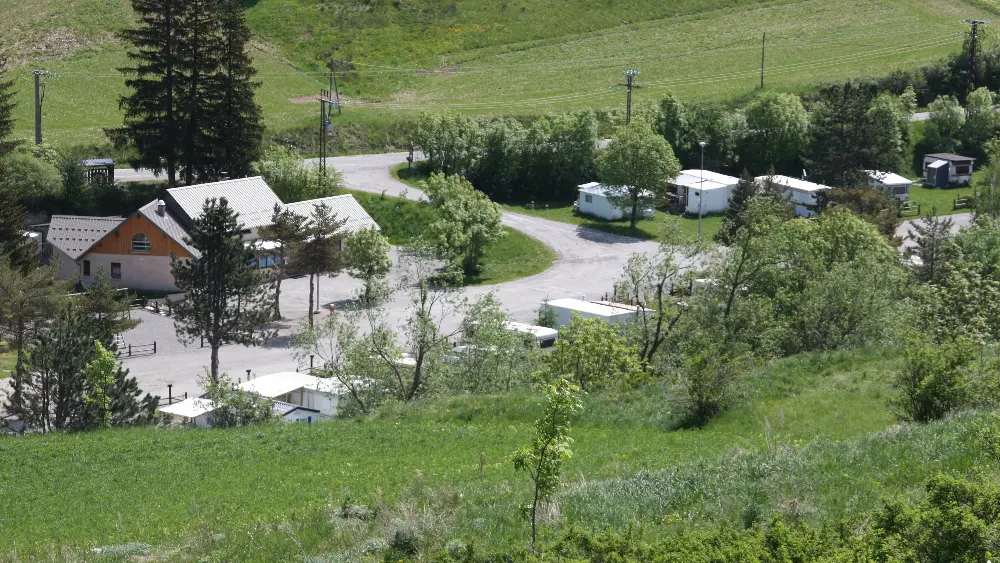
(594,201)
(296,397)
(708,191)
(893,184)
(565,308)
(945,169)
(800,192)
(540,336)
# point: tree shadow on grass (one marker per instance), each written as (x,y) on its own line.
(599,231)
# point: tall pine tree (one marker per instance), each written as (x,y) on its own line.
(152,123)
(227,301)
(199,61)
(7,106)
(237,129)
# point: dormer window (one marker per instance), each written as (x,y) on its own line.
(140,243)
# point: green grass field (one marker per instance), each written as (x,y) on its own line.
(508,57)
(516,256)
(812,431)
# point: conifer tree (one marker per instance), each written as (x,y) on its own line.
(15,250)
(200,43)
(928,235)
(7,106)
(745,190)
(106,305)
(226,300)
(152,122)
(286,230)
(319,252)
(237,129)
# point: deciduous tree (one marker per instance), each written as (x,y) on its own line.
(593,354)
(466,222)
(776,132)
(367,259)
(637,168)
(943,131)
(226,300)
(542,459)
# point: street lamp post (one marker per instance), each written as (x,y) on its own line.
(701,185)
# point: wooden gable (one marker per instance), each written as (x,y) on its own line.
(119,241)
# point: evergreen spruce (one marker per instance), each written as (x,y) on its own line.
(929,235)
(15,250)
(286,230)
(226,301)
(237,129)
(106,305)
(745,190)
(7,106)
(152,122)
(200,44)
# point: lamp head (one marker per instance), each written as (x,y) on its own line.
(702,144)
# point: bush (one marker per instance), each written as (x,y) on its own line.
(933,381)
(705,382)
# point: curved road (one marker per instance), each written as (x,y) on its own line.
(587,264)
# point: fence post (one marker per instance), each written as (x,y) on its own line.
(130,350)
(154,346)
(170,393)
(248,375)
(203,341)
(310,363)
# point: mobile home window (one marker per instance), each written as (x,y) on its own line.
(962,170)
(588,198)
(116,271)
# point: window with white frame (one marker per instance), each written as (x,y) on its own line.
(140,243)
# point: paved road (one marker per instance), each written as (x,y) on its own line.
(587,264)
(959,221)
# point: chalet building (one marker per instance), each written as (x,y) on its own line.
(135,251)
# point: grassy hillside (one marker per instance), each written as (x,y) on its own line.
(484,56)
(808,434)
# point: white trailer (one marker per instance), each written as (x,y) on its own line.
(540,336)
(565,308)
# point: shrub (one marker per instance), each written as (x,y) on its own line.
(933,381)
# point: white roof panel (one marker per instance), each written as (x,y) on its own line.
(282,383)
(344,206)
(938,164)
(189,408)
(692,178)
(589,307)
(252,198)
(542,332)
(888,178)
(793,183)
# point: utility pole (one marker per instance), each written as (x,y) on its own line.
(630,75)
(39,98)
(763,42)
(974,46)
(701,185)
(325,103)
(333,84)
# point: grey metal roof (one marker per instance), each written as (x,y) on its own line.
(167,223)
(948,156)
(97,162)
(345,206)
(252,198)
(74,235)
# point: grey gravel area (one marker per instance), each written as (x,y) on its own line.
(958,220)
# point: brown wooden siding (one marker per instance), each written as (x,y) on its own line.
(119,241)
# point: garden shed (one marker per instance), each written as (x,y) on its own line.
(594,201)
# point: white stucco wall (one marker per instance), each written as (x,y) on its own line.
(599,206)
(138,271)
(716,201)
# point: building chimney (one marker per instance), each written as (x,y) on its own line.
(161,207)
